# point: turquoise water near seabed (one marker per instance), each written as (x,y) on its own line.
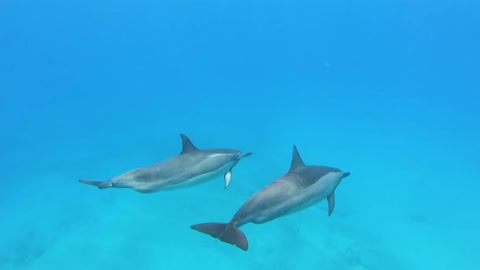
(387,91)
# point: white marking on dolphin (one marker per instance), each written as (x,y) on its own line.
(301,187)
(191,167)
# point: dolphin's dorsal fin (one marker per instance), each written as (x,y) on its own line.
(187,145)
(297,161)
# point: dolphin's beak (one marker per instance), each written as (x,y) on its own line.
(246,154)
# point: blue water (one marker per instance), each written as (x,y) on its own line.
(387,90)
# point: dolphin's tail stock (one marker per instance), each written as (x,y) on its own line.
(99,184)
(226,232)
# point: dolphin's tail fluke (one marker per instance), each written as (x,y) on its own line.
(99,184)
(226,232)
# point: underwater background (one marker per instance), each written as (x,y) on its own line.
(387,90)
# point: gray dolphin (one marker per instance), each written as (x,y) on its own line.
(191,167)
(301,187)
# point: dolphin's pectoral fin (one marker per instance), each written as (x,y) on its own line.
(228,177)
(331,203)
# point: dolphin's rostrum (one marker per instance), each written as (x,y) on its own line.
(301,187)
(190,167)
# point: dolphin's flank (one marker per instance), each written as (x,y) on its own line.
(192,166)
(301,187)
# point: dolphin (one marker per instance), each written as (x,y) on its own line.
(190,167)
(301,187)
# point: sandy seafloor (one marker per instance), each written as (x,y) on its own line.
(52,222)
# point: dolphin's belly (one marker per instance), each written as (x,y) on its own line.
(285,198)
(188,180)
